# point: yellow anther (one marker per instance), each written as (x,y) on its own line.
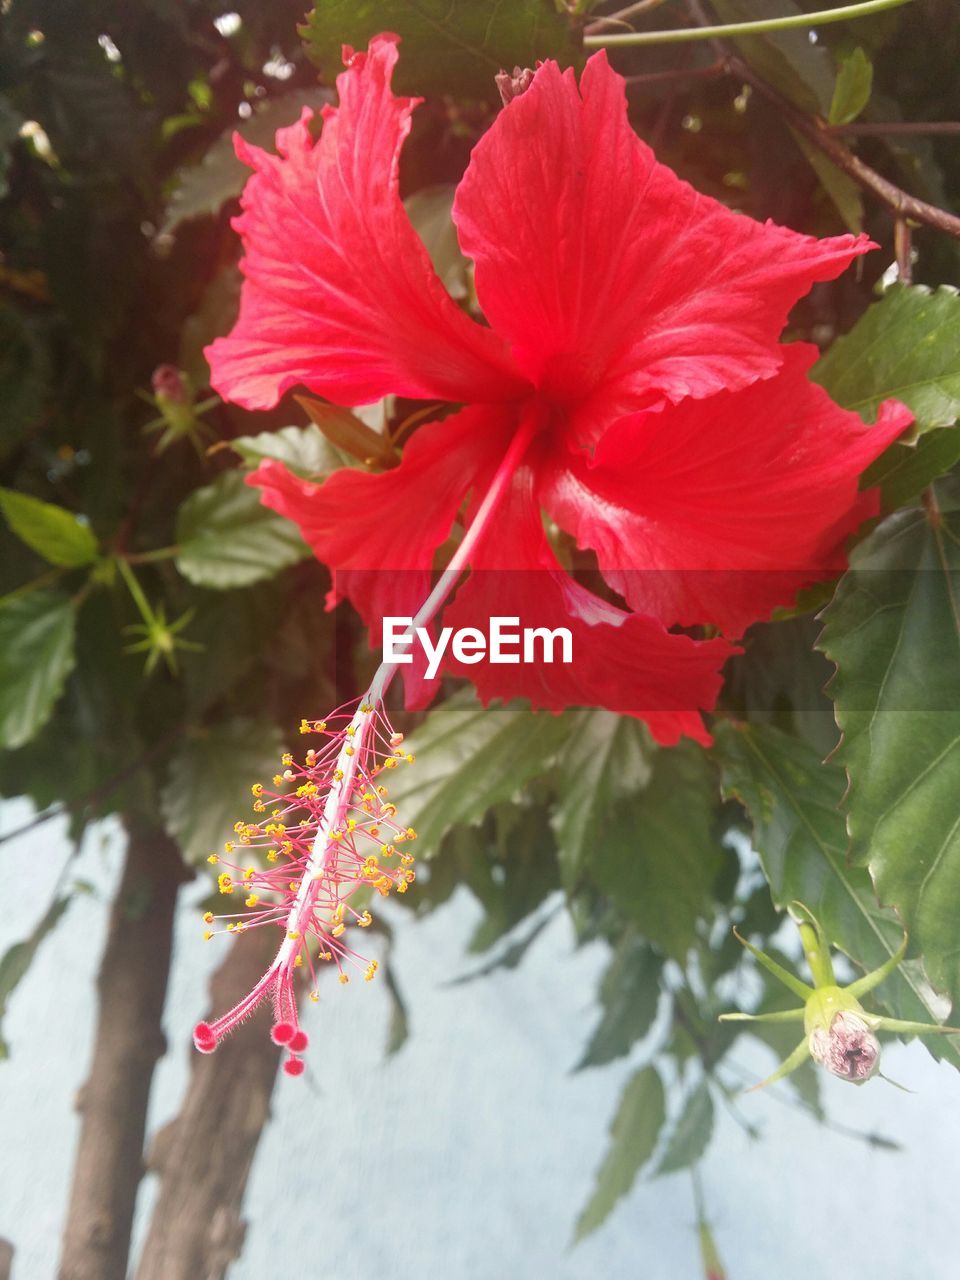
(366,708)
(314,996)
(229,847)
(337,930)
(324,955)
(407,860)
(250,873)
(271,855)
(402,887)
(337,915)
(411,834)
(350,730)
(258,806)
(371,861)
(374,829)
(336,835)
(224,882)
(278,779)
(238,927)
(348,751)
(298,961)
(371,970)
(365,919)
(310,759)
(286,758)
(208,917)
(409,758)
(294,886)
(207,935)
(343,979)
(304,726)
(319,726)
(411,876)
(252,900)
(257,789)
(351,824)
(213,859)
(230,927)
(293,935)
(338,775)
(389,810)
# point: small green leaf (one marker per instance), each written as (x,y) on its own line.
(448,46)
(469,758)
(52,532)
(36,656)
(629,994)
(691,1134)
(201,189)
(634,1134)
(653,851)
(303,450)
(893,630)
(227,538)
(208,786)
(852,90)
(847,197)
(794,802)
(16,960)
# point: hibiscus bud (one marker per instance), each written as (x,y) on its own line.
(512,83)
(168,384)
(848,1050)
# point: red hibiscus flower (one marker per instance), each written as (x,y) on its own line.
(631,368)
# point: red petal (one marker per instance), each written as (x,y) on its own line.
(624,662)
(379,533)
(618,285)
(717,511)
(339,294)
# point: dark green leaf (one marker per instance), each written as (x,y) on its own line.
(691,1134)
(227,538)
(607,759)
(208,787)
(36,656)
(629,994)
(801,71)
(893,630)
(799,832)
(847,197)
(852,90)
(16,960)
(469,758)
(448,46)
(654,853)
(52,532)
(219,176)
(634,1134)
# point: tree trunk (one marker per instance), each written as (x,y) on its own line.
(204,1155)
(132,985)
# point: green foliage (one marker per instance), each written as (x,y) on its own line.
(208,788)
(56,535)
(303,450)
(36,656)
(894,632)
(801,71)
(691,1134)
(227,538)
(629,995)
(447,47)
(852,90)
(634,1133)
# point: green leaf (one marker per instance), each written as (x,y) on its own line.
(36,656)
(903,348)
(893,631)
(303,450)
(852,90)
(802,71)
(629,995)
(202,189)
(227,538)
(607,759)
(16,960)
(208,786)
(55,534)
(469,758)
(350,434)
(843,191)
(654,853)
(799,832)
(448,46)
(691,1134)
(634,1134)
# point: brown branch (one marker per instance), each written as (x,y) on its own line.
(204,1155)
(824,139)
(132,986)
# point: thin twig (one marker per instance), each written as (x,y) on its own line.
(620,17)
(897,129)
(676,74)
(824,139)
(792,21)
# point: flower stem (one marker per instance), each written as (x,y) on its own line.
(675,36)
